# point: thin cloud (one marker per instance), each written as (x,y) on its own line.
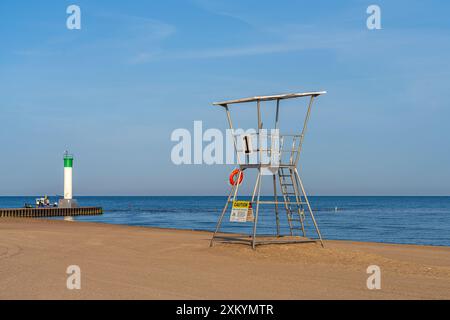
(123,35)
(292,42)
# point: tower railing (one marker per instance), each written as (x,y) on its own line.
(283,148)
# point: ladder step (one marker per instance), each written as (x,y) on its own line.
(295,212)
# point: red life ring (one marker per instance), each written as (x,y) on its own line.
(235,173)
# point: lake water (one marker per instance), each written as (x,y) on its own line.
(414,220)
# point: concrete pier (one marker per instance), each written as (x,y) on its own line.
(49,212)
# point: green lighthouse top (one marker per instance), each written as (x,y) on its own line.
(68,160)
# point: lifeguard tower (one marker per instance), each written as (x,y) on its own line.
(276,156)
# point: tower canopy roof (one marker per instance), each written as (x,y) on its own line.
(270,98)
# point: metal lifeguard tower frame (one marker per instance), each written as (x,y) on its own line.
(284,153)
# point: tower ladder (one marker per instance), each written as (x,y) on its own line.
(293,201)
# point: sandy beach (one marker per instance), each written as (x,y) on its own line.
(122,262)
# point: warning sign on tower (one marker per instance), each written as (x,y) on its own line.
(242,211)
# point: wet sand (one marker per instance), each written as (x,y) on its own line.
(121,262)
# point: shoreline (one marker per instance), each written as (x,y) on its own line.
(135,262)
(232,233)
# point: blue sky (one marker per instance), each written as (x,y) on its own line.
(113,91)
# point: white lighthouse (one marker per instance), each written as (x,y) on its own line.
(68,171)
(68,201)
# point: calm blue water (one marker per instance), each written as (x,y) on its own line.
(414,220)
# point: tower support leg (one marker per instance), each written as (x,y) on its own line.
(276,204)
(298,198)
(219,222)
(309,207)
(255,223)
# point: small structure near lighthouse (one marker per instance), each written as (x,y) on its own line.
(68,201)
